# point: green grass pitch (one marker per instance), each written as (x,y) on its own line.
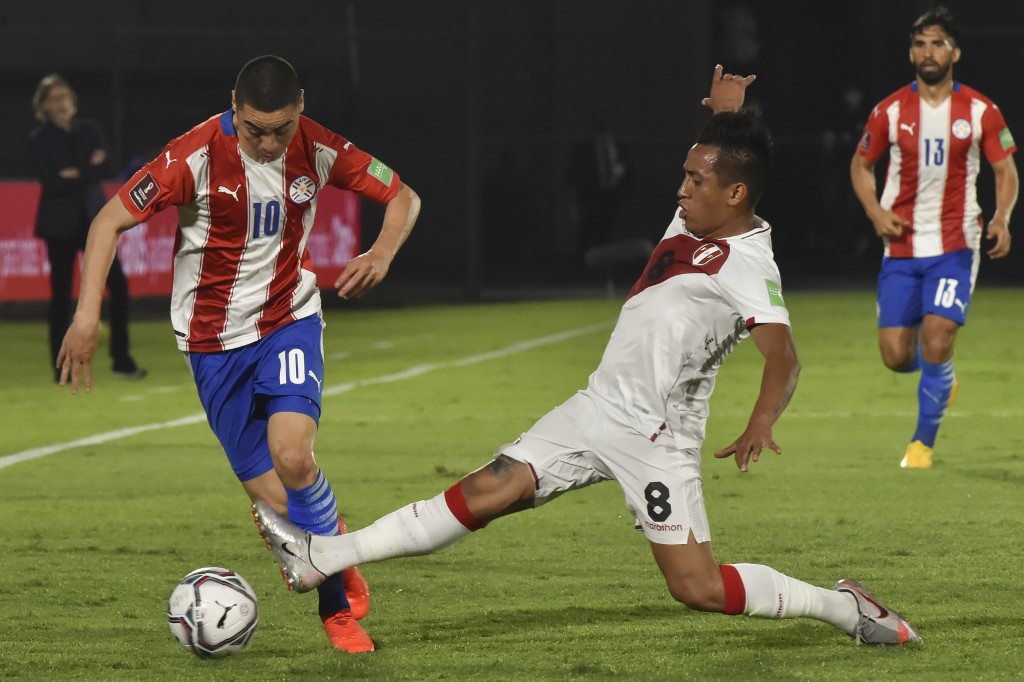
(96,536)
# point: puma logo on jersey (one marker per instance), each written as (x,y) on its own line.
(232,192)
(909,127)
(347,145)
(167,155)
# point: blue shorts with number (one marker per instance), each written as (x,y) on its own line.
(910,288)
(241,388)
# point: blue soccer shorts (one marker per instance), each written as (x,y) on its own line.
(910,288)
(241,388)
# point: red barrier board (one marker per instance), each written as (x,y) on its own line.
(147,250)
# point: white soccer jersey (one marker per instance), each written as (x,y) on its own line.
(241,269)
(695,301)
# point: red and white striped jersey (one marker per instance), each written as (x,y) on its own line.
(695,301)
(934,159)
(241,269)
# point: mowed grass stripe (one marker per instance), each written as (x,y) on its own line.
(410,373)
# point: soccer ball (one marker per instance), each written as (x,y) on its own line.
(213,612)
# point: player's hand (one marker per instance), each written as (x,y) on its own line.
(748,446)
(888,224)
(998,230)
(74,360)
(727,92)
(361,274)
(98,157)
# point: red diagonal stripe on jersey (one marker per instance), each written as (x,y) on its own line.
(682,255)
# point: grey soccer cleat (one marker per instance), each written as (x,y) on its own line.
(290,544)
(877,625)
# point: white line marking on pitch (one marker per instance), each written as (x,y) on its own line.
(411,373)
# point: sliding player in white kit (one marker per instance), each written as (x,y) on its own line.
(710,283)
(245,306)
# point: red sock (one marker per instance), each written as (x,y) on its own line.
(735,593)
(460,510)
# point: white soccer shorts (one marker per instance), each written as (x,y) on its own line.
(577,444)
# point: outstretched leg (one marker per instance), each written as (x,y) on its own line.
(695,579)
(502,487)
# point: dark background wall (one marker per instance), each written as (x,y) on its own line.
(480,106)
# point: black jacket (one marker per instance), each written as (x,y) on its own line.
(67,207)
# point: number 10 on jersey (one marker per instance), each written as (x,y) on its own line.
(267,218)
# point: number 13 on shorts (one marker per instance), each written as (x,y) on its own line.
(945,293)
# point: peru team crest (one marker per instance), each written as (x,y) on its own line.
(302,189)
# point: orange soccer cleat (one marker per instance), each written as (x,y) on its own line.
(356,590)
(346,634)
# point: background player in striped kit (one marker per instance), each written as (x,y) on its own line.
(710,283)
(935,130)
(245,306)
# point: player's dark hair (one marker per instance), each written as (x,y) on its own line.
(936,16)
(745,149)
(267,84)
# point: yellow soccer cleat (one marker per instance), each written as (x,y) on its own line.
(917,456)
(952,393)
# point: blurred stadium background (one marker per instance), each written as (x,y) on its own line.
(484,108)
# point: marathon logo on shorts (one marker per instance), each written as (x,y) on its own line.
(380,171)
(666,527)
(144,192)
(706,253)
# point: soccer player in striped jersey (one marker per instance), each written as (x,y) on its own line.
(936,131)
(245,306)
(709,284)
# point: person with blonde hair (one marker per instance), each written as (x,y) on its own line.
(69,157)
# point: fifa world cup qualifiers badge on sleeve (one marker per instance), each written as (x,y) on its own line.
(144,192)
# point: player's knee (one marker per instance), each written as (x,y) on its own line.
(937,348)
(295,468)
(895,358)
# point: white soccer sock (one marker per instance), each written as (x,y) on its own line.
(420,528)
(771,594)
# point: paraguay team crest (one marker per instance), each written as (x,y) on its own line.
(961,129)
(302,189)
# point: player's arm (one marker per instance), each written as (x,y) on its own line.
(778,381)
(366,271)
(727,91)
(1007,186)
(75,357)
(862,175)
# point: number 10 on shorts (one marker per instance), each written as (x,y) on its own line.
(293,366)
